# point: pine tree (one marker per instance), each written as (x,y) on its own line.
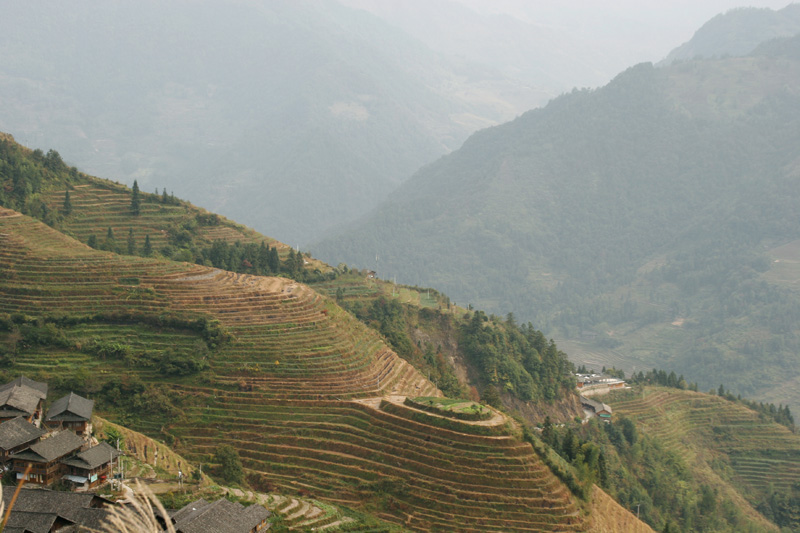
(147,251)
(263,257)
(131,242)
(92,242)
(110,243)
(274,260)
(67,203)
(289,263)
(135,199)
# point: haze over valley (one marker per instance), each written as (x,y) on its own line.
(387,265)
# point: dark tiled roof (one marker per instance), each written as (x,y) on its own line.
(70,408)
(189,510)
(255,514)
(68,505)
(31,521)
(51,448)
(16,432)
(19,400)
(594,404)
(221,516)
(93,457)
(22,381)
(93,519)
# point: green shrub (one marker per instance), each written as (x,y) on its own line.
(230,466)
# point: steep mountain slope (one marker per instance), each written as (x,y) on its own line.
(199,356)
(746,458)
(242,107)
(636,216)
(457,350)
(281,361)
(738,32)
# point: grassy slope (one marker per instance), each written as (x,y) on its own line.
(608,516)
(303,357)
(727,445)
(101,204)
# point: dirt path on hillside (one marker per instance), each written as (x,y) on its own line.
(200,277)
(497,418)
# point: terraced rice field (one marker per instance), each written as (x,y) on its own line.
(423,477)
(761,454)
(282,390)
(98,205)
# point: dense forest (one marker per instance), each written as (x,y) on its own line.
(613,214)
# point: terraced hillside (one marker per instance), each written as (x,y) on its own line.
(733,448)
(99,204)
(288,339)
(272,368)
(92,210)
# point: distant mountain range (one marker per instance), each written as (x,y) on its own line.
(641,218)
(294,116)
(738,32)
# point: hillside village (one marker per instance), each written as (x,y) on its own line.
(42,450)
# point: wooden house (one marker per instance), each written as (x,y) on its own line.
(92,467)
(602,410)
(45,458)
(71,412)
(23,397)
(16,435)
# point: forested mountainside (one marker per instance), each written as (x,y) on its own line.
(738,32)
(292,115)
(653,219)
(209,357)
(741,466)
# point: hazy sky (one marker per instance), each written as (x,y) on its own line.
(656,26)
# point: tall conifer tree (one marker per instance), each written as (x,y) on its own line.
(136,199)
(131,242)
(67,203)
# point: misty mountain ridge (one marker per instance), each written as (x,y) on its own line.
(615,212)
(262,110)
(738,32)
